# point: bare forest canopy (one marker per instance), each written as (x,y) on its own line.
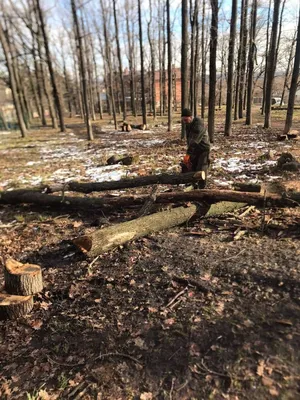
(146,57)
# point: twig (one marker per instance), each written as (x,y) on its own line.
(176,297)
(235,256)
(172,388)
(247,211)
(263,218)
(93,262)
(206,369)
(118,355)
(63,364)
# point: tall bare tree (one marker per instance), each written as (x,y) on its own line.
(144,112)
(119,60)
(78,38)
(271,64)
(12,80)
(153,61)
(294,83)
(251,60)
(170,77)
(58,103)
(184,60)
(213,68)
(203,61)
(228,121)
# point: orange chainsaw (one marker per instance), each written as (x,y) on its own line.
(186,164)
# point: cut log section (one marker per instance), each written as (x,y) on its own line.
(12,306)
(111,237)
(162,179)
(204,195)
(22,279)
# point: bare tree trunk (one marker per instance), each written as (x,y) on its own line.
(131,62)
(109,64)
(197,63)
(279,32)
(59,106)
(170,78)
(144,112)
(286,76)
(266,58)
(238,69)
(213,69)
(184,62)
(222,73)
(203,66)
(96,79)
(164,76)
(38,79)
(294,84)
(81,61)
(153,66)
(120,60)
(160,60)
(243,75)
(13,85)
(228,122)
(271,64)
(252,56)
(192,57)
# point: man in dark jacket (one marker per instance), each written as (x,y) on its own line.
(198,144)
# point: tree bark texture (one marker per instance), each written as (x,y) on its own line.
(144,111)
(81,61)
(13,307)
(58,103)
(294,84)
(111,237)
(252,55)
(271,64)
(213,69)
(228,121)
(184,61)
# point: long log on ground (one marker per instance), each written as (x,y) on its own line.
(162,179)
(12,306)
(22,279)
(105,239)
(208,196)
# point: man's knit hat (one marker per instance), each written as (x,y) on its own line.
(186,112)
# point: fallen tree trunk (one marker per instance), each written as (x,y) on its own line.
(22,279)
(162,179)
(12,307)
(113,236)
(208,196)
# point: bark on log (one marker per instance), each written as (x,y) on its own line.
(109,238)
(12,306)
(210,196)
(162,179)
(22,279)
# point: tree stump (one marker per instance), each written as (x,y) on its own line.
(12,306)
(22,279)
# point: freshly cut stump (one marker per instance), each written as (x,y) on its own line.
(12,306)
(22,279)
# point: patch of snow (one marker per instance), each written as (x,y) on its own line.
(33,163)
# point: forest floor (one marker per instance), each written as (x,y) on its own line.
(104,328)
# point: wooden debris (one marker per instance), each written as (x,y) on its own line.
(22,279)
(122,159)
(12,306)
(149,180)
(113,236)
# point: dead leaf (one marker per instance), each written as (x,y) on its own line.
(260,368)
(169,321)
(267,381)
(274,392)
(152,309)
(37,324)
(43,395)
(146,396)
(77,224)
(139,342)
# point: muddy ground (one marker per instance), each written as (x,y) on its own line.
(121,326)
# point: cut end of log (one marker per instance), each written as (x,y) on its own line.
(12,306)
(16,268)
(22,279)
(84,243)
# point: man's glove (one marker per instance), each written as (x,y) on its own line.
(186,165)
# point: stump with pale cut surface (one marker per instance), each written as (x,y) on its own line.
(12,306)
(22,279)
